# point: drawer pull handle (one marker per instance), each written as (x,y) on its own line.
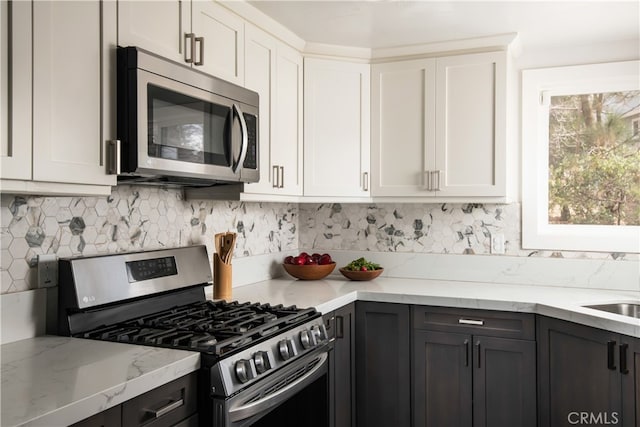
(623,359)
(157,413)
(471,322)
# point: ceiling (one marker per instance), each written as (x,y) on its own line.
(383,24)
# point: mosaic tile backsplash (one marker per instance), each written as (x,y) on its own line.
(135,218)
(422,228)
(131,218)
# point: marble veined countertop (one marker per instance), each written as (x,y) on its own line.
(56,381)
(335,291)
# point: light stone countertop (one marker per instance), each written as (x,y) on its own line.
(52,381)
(56,381)
(336,291)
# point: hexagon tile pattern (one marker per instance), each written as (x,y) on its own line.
(135,218)
(131,218)
(424,228)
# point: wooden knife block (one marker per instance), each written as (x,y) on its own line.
(222,279)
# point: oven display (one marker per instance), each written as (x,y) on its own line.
(151,268)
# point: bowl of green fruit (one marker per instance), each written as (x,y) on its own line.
(361,269)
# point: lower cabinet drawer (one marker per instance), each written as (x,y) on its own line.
(167,405)
(475,322)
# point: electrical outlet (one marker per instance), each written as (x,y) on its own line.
(497,244)
(47,270)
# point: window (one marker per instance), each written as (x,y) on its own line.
(581,158)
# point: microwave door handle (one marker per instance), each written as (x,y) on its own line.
(245,139)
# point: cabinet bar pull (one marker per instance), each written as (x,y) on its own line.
(365,181)
(274,178)
(466,352)
(611,351)
(188,37)
(478,350)
(157,413)
(113,157)
(471,322)
(339,327)
(427,181)
(200,41)
(281,177)
(437,187)
(623,358)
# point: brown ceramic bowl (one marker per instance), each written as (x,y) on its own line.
(309,272)
(361,275)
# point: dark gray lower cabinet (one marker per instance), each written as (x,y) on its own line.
(462,378)
(586,375)
(383,380)
(171,405)
(340,326)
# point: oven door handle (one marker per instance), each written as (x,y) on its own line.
(253,408)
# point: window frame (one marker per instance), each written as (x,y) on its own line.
(538,85)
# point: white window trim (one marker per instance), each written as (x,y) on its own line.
(537,87)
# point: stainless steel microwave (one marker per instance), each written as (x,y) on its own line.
(179,126)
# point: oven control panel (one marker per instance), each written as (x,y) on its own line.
(242,369)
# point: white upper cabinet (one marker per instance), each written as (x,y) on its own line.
(15,77)
(74,102)
(336,128)
(274,70)
(157,26)
(439,127)
(200,33)
(402,132)
(219,41)
(73,111)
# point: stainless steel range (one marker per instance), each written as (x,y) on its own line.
(260,364)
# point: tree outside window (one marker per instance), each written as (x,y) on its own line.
(594,159)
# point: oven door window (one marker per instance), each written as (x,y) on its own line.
(187,129)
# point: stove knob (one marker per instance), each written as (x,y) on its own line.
(316,334)
(305,339)
(323,332)
(283,349)
(243,370)
(261,360)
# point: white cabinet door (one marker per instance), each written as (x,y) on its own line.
(439,128)
(336,128)
(470,125)
(156,26)
(288,132)
(403,134)
(260,53)
(220,41)
(73,90)
(15,77)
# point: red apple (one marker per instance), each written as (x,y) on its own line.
(325,259)
(303,254)
(298,260)
(288,260)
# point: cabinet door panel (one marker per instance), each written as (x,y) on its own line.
(470,110)
(383,370)
(70,68)
(631,383)
(260,54)
(287,150)
(573,372)
(336,128)
(345,366)
(442,379)
(223,34)
(157,26)
(403,132)
(504,382)
(15,110)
